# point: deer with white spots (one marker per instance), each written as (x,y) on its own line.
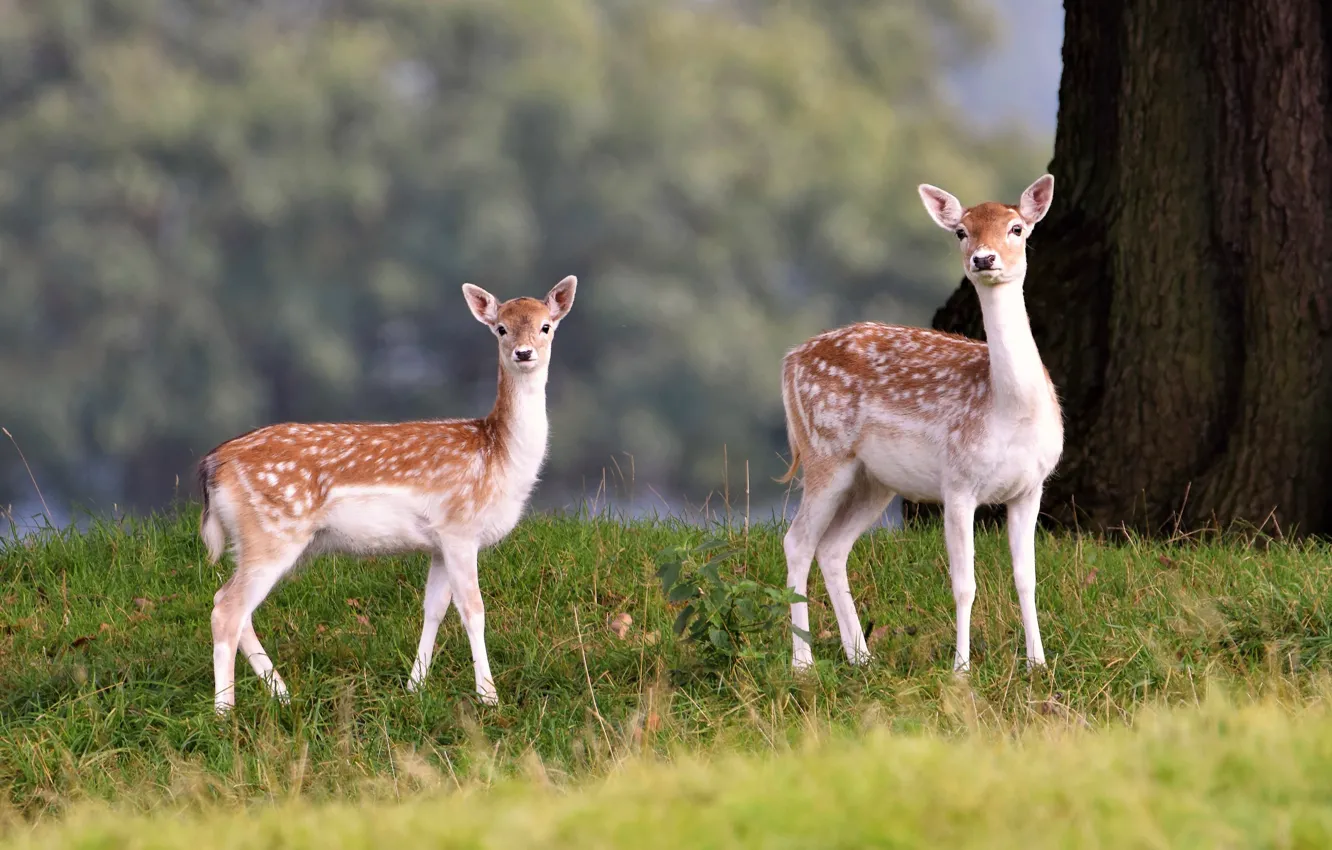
(448,487)
(873,410)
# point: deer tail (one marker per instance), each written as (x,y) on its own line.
(796,432)
(210,526)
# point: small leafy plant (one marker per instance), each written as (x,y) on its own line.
(724,616)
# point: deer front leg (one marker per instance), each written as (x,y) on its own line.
(959,517)
(1022,515)
(460,559)
(438,596)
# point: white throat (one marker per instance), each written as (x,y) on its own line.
(1016,372)
(524,422)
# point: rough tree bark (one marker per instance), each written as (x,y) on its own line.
(1179,288)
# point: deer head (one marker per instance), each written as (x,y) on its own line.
(992,237)
(524,327)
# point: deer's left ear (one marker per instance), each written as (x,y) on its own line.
(1036,200)
(560,299)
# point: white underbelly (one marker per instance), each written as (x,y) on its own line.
(910,464)
(376,520)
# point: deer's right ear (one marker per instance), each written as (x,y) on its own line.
(482,304)
(942,207)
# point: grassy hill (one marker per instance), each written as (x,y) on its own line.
(1219,777)
(105,680)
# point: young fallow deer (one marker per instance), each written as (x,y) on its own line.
(873,410)
(449,487)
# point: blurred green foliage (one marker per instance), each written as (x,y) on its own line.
(219,213)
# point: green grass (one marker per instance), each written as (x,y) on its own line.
(1216,777)
(105,678)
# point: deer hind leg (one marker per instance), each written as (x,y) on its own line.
(254,652)
(863,503)
(438,595)
(1022,515)
(233,607)
(826,483)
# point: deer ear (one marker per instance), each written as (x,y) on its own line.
(942,207)
(560,299)
(482,304)
(1036,200)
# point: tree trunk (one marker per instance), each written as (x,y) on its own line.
(1179,288)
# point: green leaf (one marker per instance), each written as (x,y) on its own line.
(669,575)
(709,571)
(723,555)
(721,640)
(717,598)
(802,634)
(682,620)
(746,609)
(682,591)
(710,544)
(671,553)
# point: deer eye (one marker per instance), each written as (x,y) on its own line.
(501,330)
(545,329)
(961,234)
(1017,230)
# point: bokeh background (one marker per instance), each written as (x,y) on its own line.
(216,214)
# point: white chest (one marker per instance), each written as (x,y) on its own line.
(516,478)
(1014,456)
(495,524)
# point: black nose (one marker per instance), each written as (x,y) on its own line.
(523,354)
(982,262)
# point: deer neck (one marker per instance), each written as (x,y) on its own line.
(1017,375)
(518,422)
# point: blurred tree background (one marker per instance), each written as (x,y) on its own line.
(216,214)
